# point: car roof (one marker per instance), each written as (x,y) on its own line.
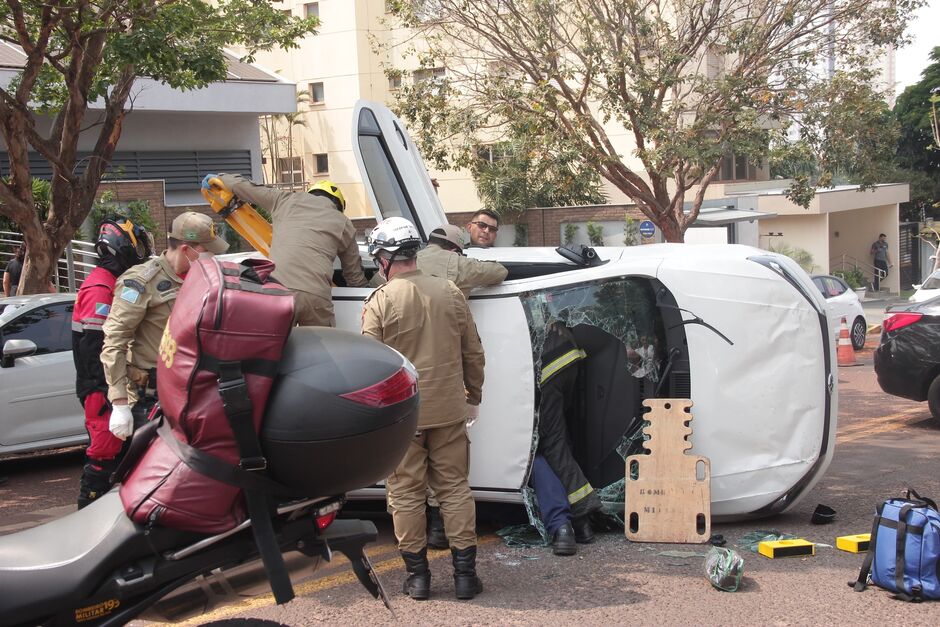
(10,305)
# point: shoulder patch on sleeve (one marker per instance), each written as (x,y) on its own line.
(132,290)
(102,309)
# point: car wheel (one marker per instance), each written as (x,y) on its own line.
(859,333)
(933,398)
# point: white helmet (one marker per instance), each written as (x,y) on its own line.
(395,235)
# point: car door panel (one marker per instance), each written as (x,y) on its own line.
(39,399)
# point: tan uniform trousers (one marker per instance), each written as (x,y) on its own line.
(311,310)
(439,458)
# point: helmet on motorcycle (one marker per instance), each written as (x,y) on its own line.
(395,236)
(330,190)
(127,242)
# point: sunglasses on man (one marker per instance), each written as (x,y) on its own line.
(483,226)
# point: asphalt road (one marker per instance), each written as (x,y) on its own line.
(883,445)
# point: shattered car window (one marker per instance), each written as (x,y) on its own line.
(624,308)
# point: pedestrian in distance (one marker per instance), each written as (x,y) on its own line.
(443,257)
(882,259)
(309,231)
(143,299)
(483,227)
(13,272)
(120,245)
(427,319)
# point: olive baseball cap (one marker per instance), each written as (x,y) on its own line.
(198,228)
(449,233)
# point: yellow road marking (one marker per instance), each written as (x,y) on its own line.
(874,426)
(317,585)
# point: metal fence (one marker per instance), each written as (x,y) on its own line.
(73,266)
(848,262)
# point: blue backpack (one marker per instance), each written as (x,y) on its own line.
(904,554)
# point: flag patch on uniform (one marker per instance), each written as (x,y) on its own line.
(130,295)
(102,309)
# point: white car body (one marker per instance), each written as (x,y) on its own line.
(842,302)
(928,289)
(765,400)
(38,406)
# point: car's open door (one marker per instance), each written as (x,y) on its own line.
(393,172)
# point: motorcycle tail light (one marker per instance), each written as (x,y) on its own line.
(893,322)
(325,521)
(397,388)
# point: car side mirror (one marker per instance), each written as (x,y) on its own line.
(14,349)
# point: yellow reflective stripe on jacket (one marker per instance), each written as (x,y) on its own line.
(559,364)
(580,493)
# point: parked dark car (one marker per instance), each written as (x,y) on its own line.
(907,361)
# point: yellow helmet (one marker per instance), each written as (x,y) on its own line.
(332,190)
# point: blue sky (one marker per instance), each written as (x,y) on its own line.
(925,31)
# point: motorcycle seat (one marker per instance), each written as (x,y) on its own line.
(52,567)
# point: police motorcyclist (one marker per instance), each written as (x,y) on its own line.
(143,298)
(427,319)
(120,245)
(309,232)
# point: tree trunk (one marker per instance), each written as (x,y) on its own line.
(672,232)
(40,265)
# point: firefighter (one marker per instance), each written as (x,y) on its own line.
(443,257)
(120,245)
(143,298)
(310,230)
(559,373)
(427,320)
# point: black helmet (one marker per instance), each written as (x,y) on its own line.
(127,242)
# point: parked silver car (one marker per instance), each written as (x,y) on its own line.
(38,406)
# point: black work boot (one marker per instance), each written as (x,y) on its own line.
(563,542)
(437,538)
(418,584)
(466,583)
(583,531)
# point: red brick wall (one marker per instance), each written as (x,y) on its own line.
(153,193)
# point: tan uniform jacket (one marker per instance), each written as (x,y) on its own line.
(428,320)
(308,235)
(143,298)
(465,272)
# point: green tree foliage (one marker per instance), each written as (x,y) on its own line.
(595,234)
(137,211)
(802,257)
(529,171)
(918,152)
(651,95)
(80,52)
(571,231)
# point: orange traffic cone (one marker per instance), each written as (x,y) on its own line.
(846,353)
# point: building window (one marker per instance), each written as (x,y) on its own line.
(312,9)
(714,64)
(316,93)
(287,12)
(493,153)
(394,82)
(323,163)
(736,168)
(290,170)
(435,74)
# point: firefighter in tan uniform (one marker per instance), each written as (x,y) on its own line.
(143,298)
(443,257)
(309,232)
(427,319)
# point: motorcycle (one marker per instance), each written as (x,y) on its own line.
(354,404)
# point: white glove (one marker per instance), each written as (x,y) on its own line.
(473,412)
(121,423)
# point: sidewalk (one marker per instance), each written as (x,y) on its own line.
(875,305)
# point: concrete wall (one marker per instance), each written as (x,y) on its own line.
(808,232)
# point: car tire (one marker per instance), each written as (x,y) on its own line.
(933,398)
(858,333)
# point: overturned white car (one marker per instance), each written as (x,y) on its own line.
(740,331)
